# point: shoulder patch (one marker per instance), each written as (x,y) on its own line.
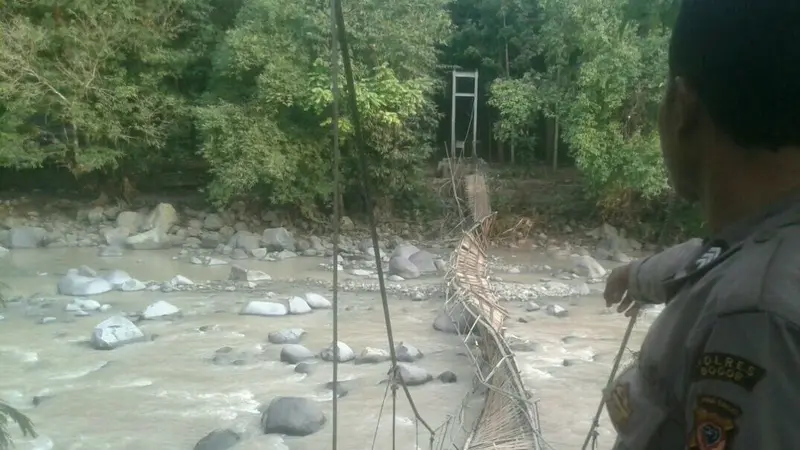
(727,367)
(618,406)
(714,423)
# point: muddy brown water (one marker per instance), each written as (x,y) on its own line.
(167,394)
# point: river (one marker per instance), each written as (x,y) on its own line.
(167,393)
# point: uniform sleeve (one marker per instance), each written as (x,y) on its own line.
(647,276)
(744,391)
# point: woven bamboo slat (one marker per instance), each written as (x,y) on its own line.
(509,420)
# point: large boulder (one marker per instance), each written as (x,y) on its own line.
(454,319)
(413,375)
(288,336)
(161,218)
(218,440)
(260,308)
(425,261)
(78,285)
(295,353)
(402,267)
(404,250)
(154,239)
(26,237)
(277,239)
(586,266)
(345,353)
(114,332)
(293,416)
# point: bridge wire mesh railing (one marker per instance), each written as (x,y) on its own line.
(509,419)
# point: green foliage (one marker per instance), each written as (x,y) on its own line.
(126,85)
(81,82)
(516,100)
(600,72)
(8,415)
(265,120)
(242,89)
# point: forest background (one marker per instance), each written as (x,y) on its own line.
(233,98)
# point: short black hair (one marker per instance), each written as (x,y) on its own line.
(742,57)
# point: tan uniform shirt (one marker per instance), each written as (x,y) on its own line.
(720,367)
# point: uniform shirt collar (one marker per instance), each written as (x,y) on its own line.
(779,213)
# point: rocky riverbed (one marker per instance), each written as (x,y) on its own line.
(154,328)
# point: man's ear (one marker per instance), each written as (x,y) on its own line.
(686,108)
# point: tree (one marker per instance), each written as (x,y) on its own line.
(81,82)
(264,120)
(604,64)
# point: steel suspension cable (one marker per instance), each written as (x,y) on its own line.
(337,187)
(592,435)
(338,27)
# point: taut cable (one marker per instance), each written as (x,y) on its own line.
(337,213)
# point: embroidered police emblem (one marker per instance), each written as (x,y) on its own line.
(729,368)
(618,405)
(714,423)
(708,257)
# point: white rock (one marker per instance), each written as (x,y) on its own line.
(345,353)
(84,304)
(586,266)
(317,301)
(114,332)
(556,310)
(132,285)
(180,280)
(117,278)
(298,306)
(160,309)
(239,273)
(259,308)
(79,285)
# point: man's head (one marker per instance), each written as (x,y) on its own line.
(733,94)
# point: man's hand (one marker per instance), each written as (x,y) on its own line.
(617,291)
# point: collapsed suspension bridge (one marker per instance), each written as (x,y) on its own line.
(509,419)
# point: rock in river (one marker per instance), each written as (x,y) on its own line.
(114,332)
(456,319)
(288,336)
(345,353)
(277,239)
(218,440)
(407,353)
(586,266)
(117,278)
(295,353)
(298,306)
(425,261)
(159,309)
(317,301)
(401,266)
(80,286)
(293,416)
(26,237)
(413,375)
(259,308)
(372,356)
(239,273)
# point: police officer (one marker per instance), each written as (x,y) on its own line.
(720,367)
(644,281)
